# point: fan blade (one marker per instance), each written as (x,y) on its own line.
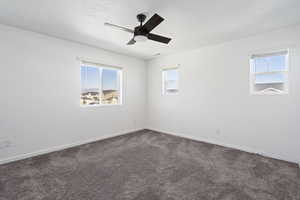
(152,23)
(158,38)
(119,27)
(131,42)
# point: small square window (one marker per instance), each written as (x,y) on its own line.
(269,73)
(170,81)
(100,85)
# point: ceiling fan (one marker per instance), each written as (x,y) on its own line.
(142,32)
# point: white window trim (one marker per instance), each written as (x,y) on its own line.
(163,81)
(252,73)
(103,66)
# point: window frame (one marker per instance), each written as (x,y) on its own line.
(101,67)
(164,82)
(252,73)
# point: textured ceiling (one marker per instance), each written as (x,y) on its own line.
(191,24)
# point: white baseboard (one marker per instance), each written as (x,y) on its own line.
(233,146)
(62,147)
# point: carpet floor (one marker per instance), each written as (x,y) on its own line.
(147,165)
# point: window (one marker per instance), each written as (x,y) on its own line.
(170,81)
(269,73)
(100,85)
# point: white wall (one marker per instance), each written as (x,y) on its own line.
(214,103)
(39,104)
(40,91)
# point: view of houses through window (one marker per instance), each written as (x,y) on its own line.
(100,85)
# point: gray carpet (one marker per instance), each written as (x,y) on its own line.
(147,165)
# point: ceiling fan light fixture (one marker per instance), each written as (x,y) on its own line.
(140,38)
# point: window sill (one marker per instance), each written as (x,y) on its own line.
(268,93)
(100,105)
(170,94)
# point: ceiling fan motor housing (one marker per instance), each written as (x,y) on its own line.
(139,31)
(139,34)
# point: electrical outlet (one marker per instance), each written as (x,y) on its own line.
(218,132)
(5,144)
